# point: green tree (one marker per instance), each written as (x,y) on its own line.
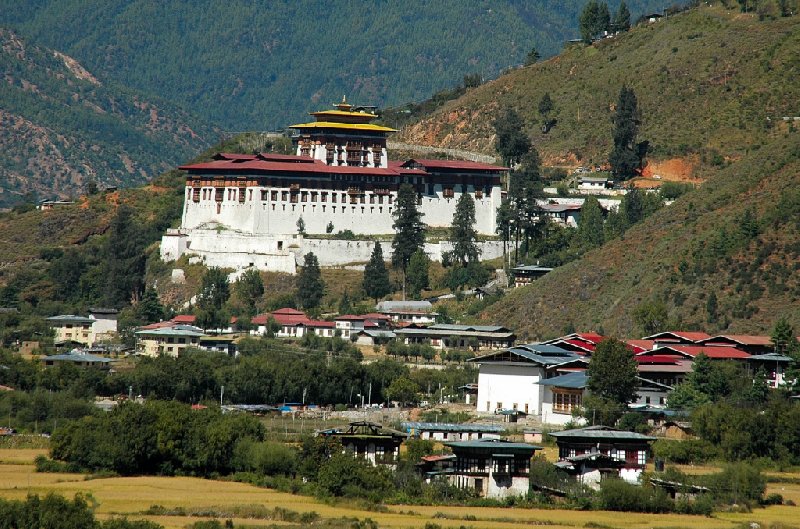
(651,316)
(124,259)
(463,234)
(149,309)
(613,372)
(510,140)
(784,339)
(249,289)
(211,300)
(712,308)
(301,225)
(403,390)
(409,229)
(590,228)
(505,218)
(376,282)
(594,20)
(310,286)
(626,156)
(417,276)
(622,20)
(329,228)
(546,107)
(532,57)
(345,304)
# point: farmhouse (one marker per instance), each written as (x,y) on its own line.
(446,336)
(492,468)
(440,431)
(526,274)
(408,311)
(167,340)
(291,323)
(631,449)
(368,440)
(242,210)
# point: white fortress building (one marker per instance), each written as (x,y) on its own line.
(242,210)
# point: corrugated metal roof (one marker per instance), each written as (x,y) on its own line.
(575,380)
(452,427)
(178,330)
(601,432)
(495,445)
(70,318)
(455,165)
(538,353)
(77,357)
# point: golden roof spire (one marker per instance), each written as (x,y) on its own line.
(344,105)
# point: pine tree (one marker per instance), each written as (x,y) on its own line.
(510,141)
(125,260)
(546,106)
(613,372)
(622,20)
(783,337)
(409,229)
(249,290)
(310,286)
(211,300)
(463,234)
(594,20)
(376,282)
(504,225)
(149,309)
(590,228)
(712,308)
(417,276)
(626,156)
(532,57)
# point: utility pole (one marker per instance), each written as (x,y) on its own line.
(221,393)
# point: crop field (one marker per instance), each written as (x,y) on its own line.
(184,500)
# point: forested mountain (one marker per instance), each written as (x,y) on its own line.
(60,127)
(253,66)
(717,91)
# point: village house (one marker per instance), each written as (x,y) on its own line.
(593,184)
(440,431)
(166,340)
(773,365)
(562,214)
(349,324)
(508,379)
(370,441)
(527,274)
(72,328)
(218,344)
(493,468)
(374,336)
(291,323)
(77,358)
(105,323)
(404,312)
(449,336)
(580,450)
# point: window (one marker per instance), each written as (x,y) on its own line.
(219,194)
(324,196)
(264,194)
(274,196)
(564,401)
(499,406)
(447,192)
(196,194)
(641,457)
(284,195)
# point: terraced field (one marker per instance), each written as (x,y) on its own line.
(251,506)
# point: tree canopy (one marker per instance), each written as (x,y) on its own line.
(211,300)
(310,286)
(376,282)
(462,232)
(409,236)
(627,155)
(613,372)
(510,140)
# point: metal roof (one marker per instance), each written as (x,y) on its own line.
(178,330)
(772,357)
(531,268)
(496,446)
(385,306)
(542,354)
(70,318)
(77,357)
(478,328)
(574,380)
(601,432)
(452,427)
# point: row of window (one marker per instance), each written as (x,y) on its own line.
(566,402)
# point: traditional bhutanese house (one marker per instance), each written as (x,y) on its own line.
(168,340)
(651,393)
(582,343)
(72,328)
(591,468)
(374,337)
(292,323)
(562,214)
(350,324)
(508,379)
(755,345)
(105,322)
(527,274)
(470,391)
(420,312)
(218,344)
(434,466)
(440,431)
(677,337)
(774,366)
(629,448)
(447,336)
(78,359)
(368,440)
(673,429)
(562,395)
(666,369)
(717,352)
(492,468)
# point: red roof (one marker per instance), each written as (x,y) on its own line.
(455,165)
(157,325)
(639,346)
(288,310)
(718,352)
(321,324)
(687,336)
(376,316)
(657,359)
(592,337)
(185,319)
(268,166)
(350,317)
(741,339)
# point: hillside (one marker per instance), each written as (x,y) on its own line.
(61,126)
(736,237)
(711,84)
(251,66)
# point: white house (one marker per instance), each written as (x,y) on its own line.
(509,379)
(408,311)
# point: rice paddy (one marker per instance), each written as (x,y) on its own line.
(250,506)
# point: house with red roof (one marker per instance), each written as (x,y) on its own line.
(678,337)
(749,343)
(291,323)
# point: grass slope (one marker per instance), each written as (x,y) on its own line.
(61,126)
(682,254)
(710,84)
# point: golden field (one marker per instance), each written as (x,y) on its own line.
(130,496)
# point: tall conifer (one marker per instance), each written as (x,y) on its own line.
(376,278)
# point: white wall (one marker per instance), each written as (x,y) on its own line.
(509,384)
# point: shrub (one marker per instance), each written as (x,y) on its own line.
(684,452)
(616,495)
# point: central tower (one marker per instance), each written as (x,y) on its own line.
(345,136)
